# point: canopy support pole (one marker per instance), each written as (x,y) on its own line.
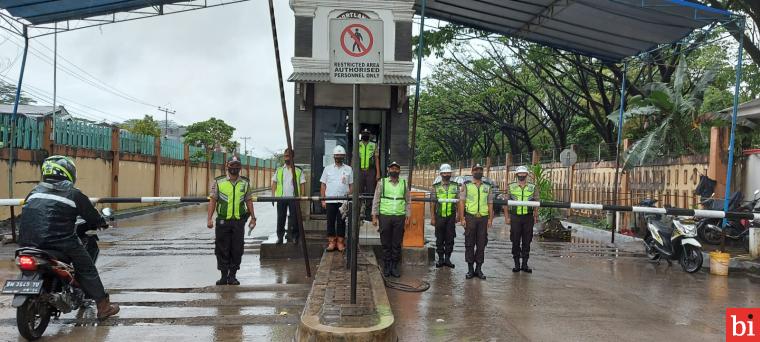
(12,143)
(616,189)
(420,43)
(734,113)
(296,185)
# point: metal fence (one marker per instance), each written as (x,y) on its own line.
(137,143)
(82,134)
(28,133)
(172,149)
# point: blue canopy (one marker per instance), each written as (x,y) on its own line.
(606,29)
(38,12)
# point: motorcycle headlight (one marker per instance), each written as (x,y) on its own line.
(689,230)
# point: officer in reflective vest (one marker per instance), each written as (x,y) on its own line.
(231,198)
(444,216)
(391,209)
(369,167)
(521,219)
(476,213)
(282,185)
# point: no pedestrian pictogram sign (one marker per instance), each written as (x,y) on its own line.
(356,54)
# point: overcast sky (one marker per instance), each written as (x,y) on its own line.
(212,62)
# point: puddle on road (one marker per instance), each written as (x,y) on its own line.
(578,246)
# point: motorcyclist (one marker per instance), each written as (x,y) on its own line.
(48,222)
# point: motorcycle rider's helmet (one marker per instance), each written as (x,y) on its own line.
(59,168)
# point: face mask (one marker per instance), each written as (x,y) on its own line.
(477,175)
(394,174)
(287,161)
(234,172)
(522,178)
(446,178)
(365,138)
(338,160)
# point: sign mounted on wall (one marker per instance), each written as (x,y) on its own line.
(356,51)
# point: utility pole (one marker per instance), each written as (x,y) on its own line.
(245,144)
(166,111)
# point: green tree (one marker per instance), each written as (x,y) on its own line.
(146,126)
(211,133)
(8,95)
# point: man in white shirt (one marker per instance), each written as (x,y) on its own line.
(336,182)
(282,186)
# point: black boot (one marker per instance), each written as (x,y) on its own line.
(223,279)
(517,265)
(525,267)
(439,263)
(231,279)
(279,240)
(387,268)
(447,261)
(470,271)
(395,269)
(479,273)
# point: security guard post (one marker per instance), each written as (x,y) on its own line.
(231,198)
(476,213)
(522,219)
(443,216)
(391,208)
(282,185)
(369,167)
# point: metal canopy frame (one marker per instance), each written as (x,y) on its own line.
(688,17)
(76,21)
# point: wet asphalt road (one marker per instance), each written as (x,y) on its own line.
(161,268)
(579,291)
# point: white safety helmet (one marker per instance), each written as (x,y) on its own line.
(339,150)
(444,168)
(522,169)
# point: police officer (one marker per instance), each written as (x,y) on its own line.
(369,166)
(390,208)
(231,199)
(522,219)
(476,215)
(282,185)
(444,216)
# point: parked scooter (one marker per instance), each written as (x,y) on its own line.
(709,229)
(671,239)
(46,286)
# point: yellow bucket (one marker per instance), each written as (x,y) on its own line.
(719,263)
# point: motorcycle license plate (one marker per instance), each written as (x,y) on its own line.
(30,287)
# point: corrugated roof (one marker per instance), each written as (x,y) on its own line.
(32,110)
(324,77)
(607,29)
(49,11)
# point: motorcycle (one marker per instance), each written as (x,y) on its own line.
(709,229)
(46,286)
(672,240)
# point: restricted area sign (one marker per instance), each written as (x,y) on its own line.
(356,51)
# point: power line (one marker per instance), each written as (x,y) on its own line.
(96,83)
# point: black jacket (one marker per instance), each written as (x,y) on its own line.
(50,213)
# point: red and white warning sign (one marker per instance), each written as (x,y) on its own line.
(356,51)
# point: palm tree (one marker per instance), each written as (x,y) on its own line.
(670,115)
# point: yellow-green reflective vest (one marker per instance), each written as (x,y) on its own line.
(477,199)
(281,184)
(441,192)
(230,198)
(367,155)
(393,198)
(518,193)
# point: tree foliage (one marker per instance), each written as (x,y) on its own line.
(8,94)
(146,126)
(212,133)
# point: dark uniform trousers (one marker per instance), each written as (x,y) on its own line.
(86,273)
(475,238)
(445,233)
(229,244)
(391,236)
(287,209)
(521,234)
(336,225)
(368,181)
